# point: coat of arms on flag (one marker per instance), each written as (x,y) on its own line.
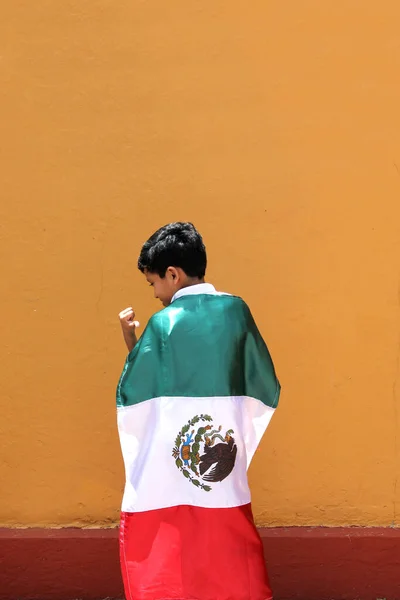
(198,453)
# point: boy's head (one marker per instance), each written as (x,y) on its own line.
(173,258)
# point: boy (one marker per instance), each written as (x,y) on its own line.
(195,396)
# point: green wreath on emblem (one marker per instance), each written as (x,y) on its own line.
(210,467)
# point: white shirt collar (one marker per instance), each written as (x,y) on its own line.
(199,288)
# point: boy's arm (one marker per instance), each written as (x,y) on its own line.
(142,376)
(128,325)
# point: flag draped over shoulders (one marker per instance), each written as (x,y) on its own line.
(194,399)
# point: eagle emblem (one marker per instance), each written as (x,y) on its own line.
(204,455)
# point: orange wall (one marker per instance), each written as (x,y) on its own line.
(276,129)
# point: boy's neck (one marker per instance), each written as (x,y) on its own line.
(189,281)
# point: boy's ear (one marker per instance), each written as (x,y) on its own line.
(173,272)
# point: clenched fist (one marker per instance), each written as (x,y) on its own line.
(128,325)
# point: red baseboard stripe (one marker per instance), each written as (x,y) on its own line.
(303,563)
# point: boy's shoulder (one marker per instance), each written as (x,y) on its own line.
(222,312)
(219,302)
(231,299)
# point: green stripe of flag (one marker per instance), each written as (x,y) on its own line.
(200,346)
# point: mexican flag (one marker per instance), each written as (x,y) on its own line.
(194,399)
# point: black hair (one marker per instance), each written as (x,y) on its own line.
(174,245)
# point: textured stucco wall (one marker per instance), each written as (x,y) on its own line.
(274,127)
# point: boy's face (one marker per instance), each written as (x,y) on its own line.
(164,287)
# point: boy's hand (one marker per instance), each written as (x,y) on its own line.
(128,325)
